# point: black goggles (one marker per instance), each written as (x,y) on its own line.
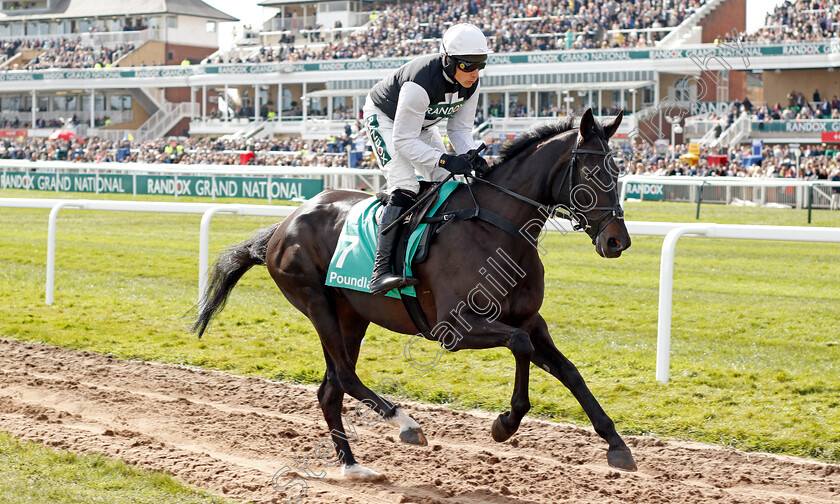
(468,66)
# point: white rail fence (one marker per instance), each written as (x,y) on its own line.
(745,191)
(672,232)
(207,211)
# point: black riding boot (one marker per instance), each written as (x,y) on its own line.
(383,278)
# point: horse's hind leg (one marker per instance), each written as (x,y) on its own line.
(341,332)
(549,358)
(353,329)
(331,397)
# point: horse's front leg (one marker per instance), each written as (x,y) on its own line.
(549,358)
(483,334)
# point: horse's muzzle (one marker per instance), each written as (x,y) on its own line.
(613,240)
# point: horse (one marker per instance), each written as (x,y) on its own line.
(551,166)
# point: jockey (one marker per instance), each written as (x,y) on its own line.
(401,113)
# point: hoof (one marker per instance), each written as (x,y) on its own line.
(500,430)
(620,458)
(359,472)
(414,436)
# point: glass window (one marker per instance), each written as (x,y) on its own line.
(5,31)
(126,102)
(10,103)
(287,99)
(211,27)
(63,27)
(172,21)
(682,90)
(64,103)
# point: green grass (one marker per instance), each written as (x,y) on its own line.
(755,357)
(32,474)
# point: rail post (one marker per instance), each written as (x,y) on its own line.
(50,287)
(666,296)
(699,199)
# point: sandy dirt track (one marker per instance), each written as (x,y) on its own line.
(230,435)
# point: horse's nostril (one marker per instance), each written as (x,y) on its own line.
(614,244)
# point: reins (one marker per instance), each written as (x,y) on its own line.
(575,213)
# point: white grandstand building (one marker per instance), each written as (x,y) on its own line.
(163,74)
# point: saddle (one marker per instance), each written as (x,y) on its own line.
(415,218)
(434,224)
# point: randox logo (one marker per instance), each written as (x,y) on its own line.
(646,190)
(443,109)
(372,123)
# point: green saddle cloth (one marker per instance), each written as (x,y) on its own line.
(352,263)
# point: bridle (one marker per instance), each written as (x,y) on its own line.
(592,227)
(575,214)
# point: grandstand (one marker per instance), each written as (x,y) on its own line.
(683,71)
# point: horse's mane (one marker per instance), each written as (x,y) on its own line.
(538,133)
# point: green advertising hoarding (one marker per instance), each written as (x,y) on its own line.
(84,182)
(646,191)
(165,185)
(229,187)
(797,126)
(699,54)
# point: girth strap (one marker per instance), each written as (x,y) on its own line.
(411,303)
(415,312)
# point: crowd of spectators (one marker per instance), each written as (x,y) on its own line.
(777,161)
(800,21)
(72,53)
(65,53)
(816,162)
(415,27)
(798,108)
(412,28)
(16,123)
(287,152)
(519,109)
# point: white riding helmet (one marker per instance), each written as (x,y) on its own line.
(464,40)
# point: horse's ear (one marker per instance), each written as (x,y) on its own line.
(611,128)
(587,124)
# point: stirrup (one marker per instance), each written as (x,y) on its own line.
(390,281)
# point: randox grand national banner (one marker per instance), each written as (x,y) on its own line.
(165,185)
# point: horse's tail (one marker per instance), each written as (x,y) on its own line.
(229,268)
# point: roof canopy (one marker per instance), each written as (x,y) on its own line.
(73,9)
(280,3)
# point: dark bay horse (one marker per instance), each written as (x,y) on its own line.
(551,165)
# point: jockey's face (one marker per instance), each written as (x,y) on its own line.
(466,79)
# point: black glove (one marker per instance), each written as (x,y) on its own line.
(480,166)
(459,165)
